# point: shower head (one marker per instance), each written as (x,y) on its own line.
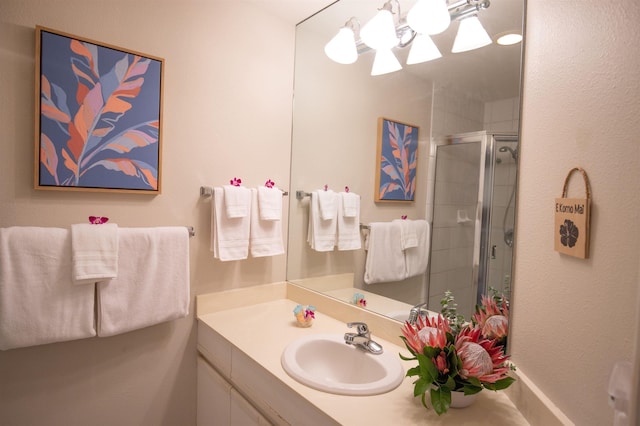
(514,152)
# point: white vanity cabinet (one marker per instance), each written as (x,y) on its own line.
(219,404)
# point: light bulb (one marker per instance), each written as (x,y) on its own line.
(471,35)
(342,47)
(380,31)
(385,62)
(423,49)
(429,17)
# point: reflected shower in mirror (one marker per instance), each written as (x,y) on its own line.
(335,138)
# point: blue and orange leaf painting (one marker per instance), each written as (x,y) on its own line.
(99,115)
(398,161)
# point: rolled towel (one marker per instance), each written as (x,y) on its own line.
(348,227)
(94,252)
(229,237)
(237,201)
(321,234)
(328,203)
(265,235)
(350,204)
(269,203)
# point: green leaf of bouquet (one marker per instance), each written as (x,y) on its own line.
(421,386)
(427,369)
(440,400)
(500,384)
(430,352)
(474,381)
(470,389)
(450,384)
(404,358)
(414,371)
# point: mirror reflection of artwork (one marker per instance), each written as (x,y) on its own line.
(398,160)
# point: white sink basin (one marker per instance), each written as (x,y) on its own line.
(325,362)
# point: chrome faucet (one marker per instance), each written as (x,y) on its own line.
(415,312)
(362,339)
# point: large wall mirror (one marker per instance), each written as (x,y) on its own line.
(466,107)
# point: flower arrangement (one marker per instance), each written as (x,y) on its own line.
(458,356)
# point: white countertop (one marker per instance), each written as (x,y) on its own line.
(263,330)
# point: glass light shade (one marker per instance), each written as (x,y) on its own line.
(509,39)
(385,62)
(471,35)
(342,47)
(423,49)
(380,31)
(429,17)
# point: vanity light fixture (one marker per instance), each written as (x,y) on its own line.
(426,17)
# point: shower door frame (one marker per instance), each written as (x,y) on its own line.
(482,239)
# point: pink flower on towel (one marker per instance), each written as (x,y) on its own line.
(235,181)
(97,220)
(269,183)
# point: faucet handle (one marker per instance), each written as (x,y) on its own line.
(362,327)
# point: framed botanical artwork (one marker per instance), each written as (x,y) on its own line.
(98,115)
(396,161)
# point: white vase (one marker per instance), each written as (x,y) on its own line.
(460,400)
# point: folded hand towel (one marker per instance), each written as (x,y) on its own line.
(269,203)
(350,203)
(265,235)
(385,258)
(237,201)
(94,252)
(153,280)
(321,234)
(417,258)
(348,226)
(38,301)
(328,203)
(229,237)
(408,233)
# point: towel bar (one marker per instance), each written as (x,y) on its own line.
(207,191)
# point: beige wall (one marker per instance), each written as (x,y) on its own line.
(573,319)
(227,113)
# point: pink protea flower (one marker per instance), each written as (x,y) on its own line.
(492,319)
(481,358)
(427,331)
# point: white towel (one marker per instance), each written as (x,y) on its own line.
(153,280)
(237,201)
(328,203)
(321,234)
(409,233)
(385,258)
(38,301)
(350,203)
(265,235)
(229,237)
(348,225)
(94,252)
(269,203)
(417,258)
